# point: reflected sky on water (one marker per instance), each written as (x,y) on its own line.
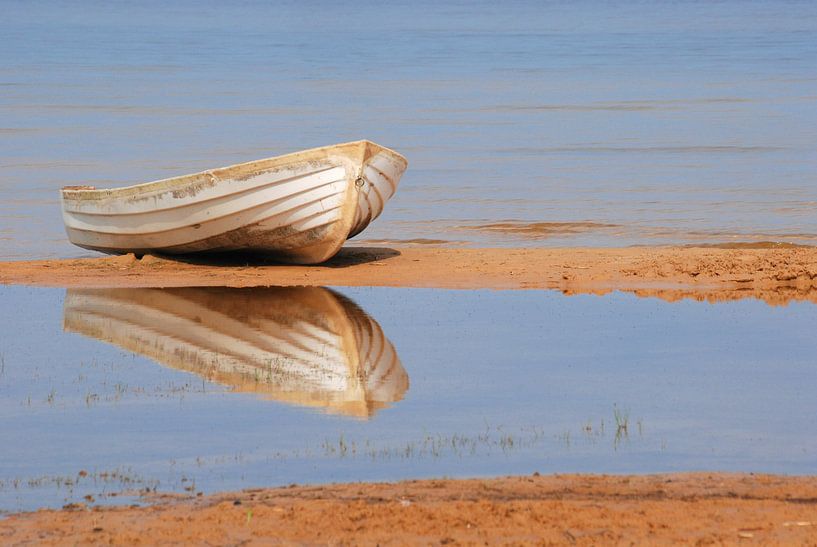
(479,383)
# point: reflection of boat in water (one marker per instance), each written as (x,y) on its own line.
(302,345)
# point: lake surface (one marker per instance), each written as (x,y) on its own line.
(108,392)
(619,122)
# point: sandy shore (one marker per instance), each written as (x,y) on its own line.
(688,508)
(776,275)
(568,509)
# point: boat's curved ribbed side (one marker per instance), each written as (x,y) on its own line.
(380,177)
(306,345)
(300,207)
(261,213)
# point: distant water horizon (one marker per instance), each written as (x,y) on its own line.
(525,124)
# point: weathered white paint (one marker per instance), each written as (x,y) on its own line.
(300,207)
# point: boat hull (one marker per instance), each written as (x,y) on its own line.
(298,208)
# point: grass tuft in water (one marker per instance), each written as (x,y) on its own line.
(622,418)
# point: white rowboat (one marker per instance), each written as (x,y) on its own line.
(298,208)
(306,346)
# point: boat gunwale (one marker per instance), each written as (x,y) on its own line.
(173,183)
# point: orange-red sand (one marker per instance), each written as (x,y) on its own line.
(694,509)
(773,274)
(584,510)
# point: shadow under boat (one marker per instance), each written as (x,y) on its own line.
(300,345)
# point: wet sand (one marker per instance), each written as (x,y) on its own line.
(568,509)
(575,509)
(774,274)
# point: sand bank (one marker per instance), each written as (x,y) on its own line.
(776,274)
(568,509)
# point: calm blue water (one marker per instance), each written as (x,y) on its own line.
(498,383)
(654,122)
